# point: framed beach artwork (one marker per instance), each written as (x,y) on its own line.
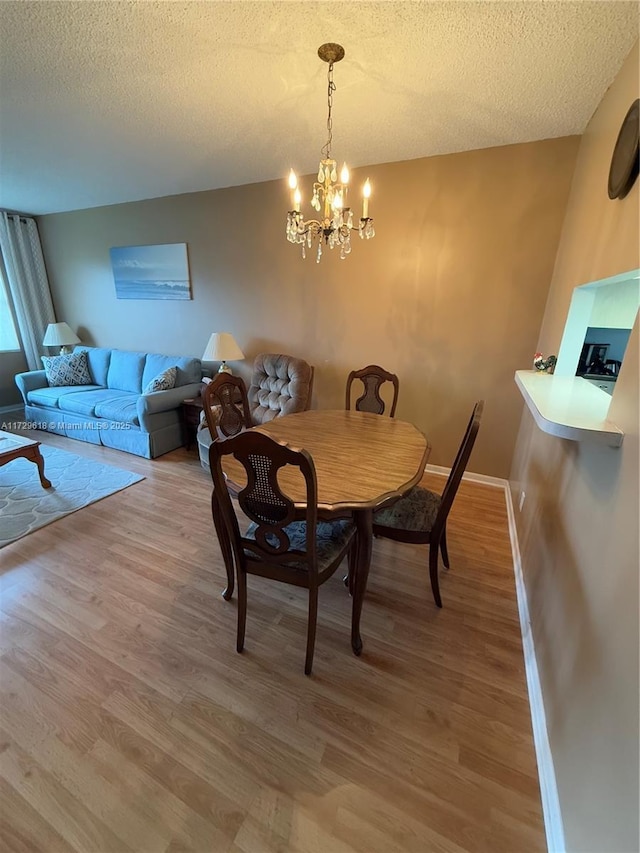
(151,272)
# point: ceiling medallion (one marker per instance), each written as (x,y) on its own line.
(330,195)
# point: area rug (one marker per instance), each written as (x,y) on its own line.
(76,482)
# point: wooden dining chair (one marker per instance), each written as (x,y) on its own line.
(372,377)
(226,409)
(226,406)
(281,542)
(421,515)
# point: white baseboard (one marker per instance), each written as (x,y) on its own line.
(497,482)
(546,773)
(551,813)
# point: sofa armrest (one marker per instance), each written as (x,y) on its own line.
(164,401)
(31,380)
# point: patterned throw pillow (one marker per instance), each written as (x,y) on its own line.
(70,369)
(163,381)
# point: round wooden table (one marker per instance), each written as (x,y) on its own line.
(362,461)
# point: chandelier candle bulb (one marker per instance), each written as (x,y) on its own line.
(293,185)
(366,192)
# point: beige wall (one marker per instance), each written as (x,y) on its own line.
(449,295)
(579,527)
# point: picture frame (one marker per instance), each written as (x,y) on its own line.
(151,272)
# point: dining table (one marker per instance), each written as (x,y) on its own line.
(363,462)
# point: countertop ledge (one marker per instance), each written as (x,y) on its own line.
(568,407)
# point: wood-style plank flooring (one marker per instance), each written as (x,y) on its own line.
(130,723)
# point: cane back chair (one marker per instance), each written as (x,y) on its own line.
(372,377)
(225,405)
(283,542)
(226,409)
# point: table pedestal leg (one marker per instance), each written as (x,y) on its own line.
(364,526)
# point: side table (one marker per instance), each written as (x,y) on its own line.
(191,409)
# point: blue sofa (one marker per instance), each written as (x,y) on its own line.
(113,411)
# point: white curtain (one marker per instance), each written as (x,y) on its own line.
(28,283)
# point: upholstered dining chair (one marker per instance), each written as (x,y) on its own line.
(372,377)
(281,542)
(421,515)
(280,385)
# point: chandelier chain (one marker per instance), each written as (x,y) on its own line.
(326,149)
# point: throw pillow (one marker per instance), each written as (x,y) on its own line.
(68,369)
(163,381)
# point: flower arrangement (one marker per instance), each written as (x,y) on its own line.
(544,365)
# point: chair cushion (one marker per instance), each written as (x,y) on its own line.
(416,511)
(68,369)
(331,538)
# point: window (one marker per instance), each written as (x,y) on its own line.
(8,334)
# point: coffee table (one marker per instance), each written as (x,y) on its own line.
(15,446)
(362,462)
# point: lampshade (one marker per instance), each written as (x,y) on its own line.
(222,347)
(60,335)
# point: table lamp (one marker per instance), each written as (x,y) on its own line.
(60,335)
(222,347)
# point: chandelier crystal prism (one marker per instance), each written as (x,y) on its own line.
(330,196)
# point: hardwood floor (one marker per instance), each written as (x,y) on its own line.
(129,722)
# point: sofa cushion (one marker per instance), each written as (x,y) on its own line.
(98,359)
(125,371)
(107,403)
(162,382)
(68,369)
(85,402)
(122,409)
(188,370)
(49,396)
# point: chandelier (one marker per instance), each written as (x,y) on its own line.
(330,195)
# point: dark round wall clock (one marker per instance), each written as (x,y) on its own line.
(626,153)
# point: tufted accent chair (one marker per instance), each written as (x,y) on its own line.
(280,385)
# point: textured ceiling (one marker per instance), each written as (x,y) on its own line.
(105,102)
